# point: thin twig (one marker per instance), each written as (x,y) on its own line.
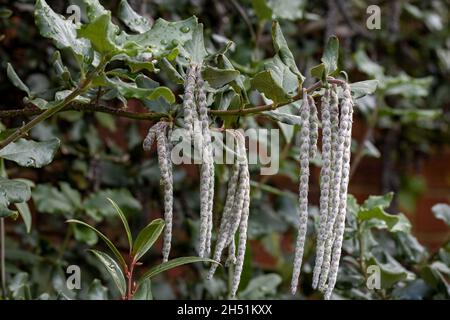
(76,106)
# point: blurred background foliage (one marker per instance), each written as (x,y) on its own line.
(403,124)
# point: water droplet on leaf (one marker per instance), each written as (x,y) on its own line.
(185,29)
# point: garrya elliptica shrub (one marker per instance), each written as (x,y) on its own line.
(117,64)
(336,140)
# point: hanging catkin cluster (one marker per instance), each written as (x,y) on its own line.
(196,122)
(334,178)
(160,132)
(336,120)
(235,215)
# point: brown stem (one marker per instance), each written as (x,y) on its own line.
(75,106)
(130,289)
(68,105)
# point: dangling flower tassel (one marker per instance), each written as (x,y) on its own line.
(325,178)
(345,132)
(159,132)
(303,190)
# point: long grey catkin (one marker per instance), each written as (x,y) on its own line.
(243,226)
(225,225)
(160,132)
(337,148)
(188,99)
(324,184)
(207,169)
(346,131)
(303,191)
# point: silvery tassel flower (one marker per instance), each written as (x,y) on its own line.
(225,226)
(345,131)
(325,178)
(149,139)
(188,99)
(303,191)
(337,148)
(159,132)
(244,216)
(207,170)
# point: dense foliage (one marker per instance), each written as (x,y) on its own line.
(96,87)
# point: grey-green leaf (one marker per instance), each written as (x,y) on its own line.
(282,49)
(277,82)
(29,153)
(12,191)
(362,88)
(378,218)
(49,199)
(16,81)
(195,47)
(217,78)
(132,19)
(25,213)
(101,33)
(94,9)
(113,269)
(375,201)
(318,71)
(391,271)
(165,35)
(442,211)
(63,32)
(170,71)
(146,238)
(130,90)
(283,117)
(16,191)
(331,55)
